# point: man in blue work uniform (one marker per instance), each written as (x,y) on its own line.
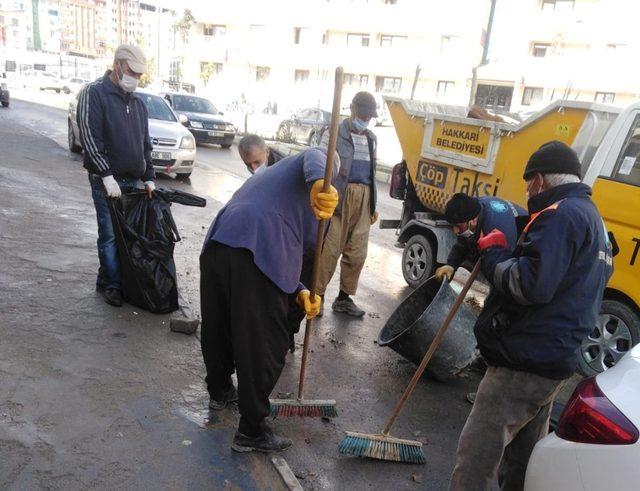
(114,132)
(471,218)
(545,300)
(250,264)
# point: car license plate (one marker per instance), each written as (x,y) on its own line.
(216,133)
(161,155)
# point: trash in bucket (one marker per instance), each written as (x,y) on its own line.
(413,325)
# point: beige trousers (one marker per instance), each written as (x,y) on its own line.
(510,414)
(348,236)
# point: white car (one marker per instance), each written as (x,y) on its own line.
(174,148)
(38,79)
(73,85)
(595,445)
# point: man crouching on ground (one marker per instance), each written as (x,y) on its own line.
(250,264)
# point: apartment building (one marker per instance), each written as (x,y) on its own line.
(566,49)
(283,52)
(157,18)
(15,31)
(82,27)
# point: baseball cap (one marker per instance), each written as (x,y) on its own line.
(365,104)
(133,55)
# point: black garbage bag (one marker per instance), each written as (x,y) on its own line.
(181,197)
(145,236)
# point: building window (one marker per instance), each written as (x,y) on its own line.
(388,84)
(175,72)
(356,80)
(301,35)
(494,96)
(557,5)
(357,39)
(531,95)
(14,22)
(214,30)
(386,41)
(445,87)
(215,68)
(391,2)
(540,50)
(448,43)
(605,97)
(262,73)
(325,37)
(301,76)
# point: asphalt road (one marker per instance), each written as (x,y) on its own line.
(92,396)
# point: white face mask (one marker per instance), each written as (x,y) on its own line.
(127,82)
(467,234)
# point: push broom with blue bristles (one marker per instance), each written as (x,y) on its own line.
(300,406)
(383,446)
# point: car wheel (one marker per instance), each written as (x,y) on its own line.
(66,90)
(282,132)
(57,91)
(417,260)
(183,177)
(617,331)
(71,138)
(313,139)
(226,146)
(5,104)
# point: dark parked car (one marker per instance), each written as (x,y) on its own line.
(205,122)
(305,127)
(4,95)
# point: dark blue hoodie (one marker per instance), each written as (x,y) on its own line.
(547,293)
(114,131)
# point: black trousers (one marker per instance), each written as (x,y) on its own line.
(244,327)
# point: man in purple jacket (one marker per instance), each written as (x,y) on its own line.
(250,264)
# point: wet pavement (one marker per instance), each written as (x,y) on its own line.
(95,396)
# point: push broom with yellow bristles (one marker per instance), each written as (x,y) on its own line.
(299,406)
(383,446)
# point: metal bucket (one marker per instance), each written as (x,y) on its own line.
(413,325)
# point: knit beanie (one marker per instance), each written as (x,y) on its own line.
(461,208)
(553,157)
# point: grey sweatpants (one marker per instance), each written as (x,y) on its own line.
(510,414)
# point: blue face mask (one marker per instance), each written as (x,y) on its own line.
(359,124)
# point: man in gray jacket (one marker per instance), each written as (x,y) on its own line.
(348,234)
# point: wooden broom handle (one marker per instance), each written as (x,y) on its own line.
(432,348)
(328,172)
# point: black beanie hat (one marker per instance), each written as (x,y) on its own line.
(553,157)
(461,208)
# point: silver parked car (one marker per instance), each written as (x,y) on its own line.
(174,148)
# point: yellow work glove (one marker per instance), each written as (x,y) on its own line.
(304,301)
(443,271)
(374,217)
(323,204)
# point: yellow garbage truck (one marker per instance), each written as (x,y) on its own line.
(446,152)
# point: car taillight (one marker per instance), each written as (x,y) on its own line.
(590,417)
(398,184)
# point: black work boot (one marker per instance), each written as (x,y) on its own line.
(266,443)
(347,306)
(112,296)
(230,397)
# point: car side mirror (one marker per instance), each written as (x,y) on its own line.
(183,119)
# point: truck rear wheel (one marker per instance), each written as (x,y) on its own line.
(417,260)
(617,331)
